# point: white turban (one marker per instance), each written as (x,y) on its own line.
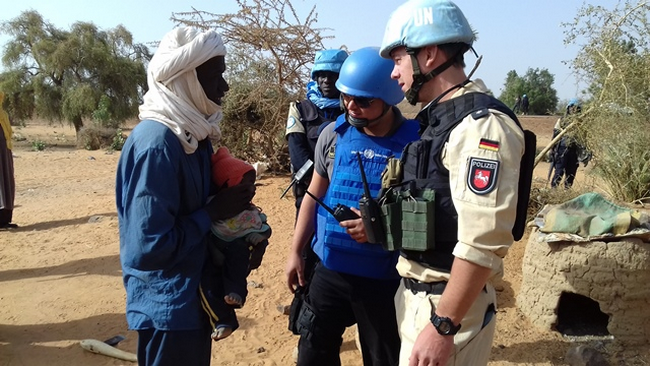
(175,97)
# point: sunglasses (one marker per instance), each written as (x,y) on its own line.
(361,102)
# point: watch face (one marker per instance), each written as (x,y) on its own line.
(444,327)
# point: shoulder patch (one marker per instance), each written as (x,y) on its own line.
(291,122)
(480,113)
(331,152)
(482,176)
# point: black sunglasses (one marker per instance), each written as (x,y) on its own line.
(361,102)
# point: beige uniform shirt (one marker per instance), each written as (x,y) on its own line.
(482,156)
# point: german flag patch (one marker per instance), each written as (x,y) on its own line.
(489,145)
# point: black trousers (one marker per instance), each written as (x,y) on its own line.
(566,166)
(339,300)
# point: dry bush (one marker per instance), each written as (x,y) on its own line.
(270,48)
(615,62)
(254,123)
(94,137)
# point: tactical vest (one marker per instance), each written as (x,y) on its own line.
(423,166)
(336,249)
(313,118)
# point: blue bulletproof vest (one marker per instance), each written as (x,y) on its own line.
(336,249)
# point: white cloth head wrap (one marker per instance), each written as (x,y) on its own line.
(175,97)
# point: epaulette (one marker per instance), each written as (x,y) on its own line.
(483,112)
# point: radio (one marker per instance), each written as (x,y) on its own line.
(370,212)
(340,212)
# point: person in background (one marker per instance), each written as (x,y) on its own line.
(517,107)
(564,155)
(7,179)
(162,184)
(308,117)
(355,281)
(445,303)
(524,104)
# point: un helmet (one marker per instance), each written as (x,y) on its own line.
(574,102)
(328,60)
(419,23)
(366,74)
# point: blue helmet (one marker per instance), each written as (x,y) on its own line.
(366,74)
(420,23)
(328,60)
(574,102)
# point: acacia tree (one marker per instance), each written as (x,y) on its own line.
(615,63)
(71,75)
(270,49)
(537,85)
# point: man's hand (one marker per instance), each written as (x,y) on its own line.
(295,272)
(431,348)
(228,202)
(355,227)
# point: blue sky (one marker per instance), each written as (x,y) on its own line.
(512,34)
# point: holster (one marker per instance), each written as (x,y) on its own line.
(294,309)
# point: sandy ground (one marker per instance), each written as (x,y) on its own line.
(60,277)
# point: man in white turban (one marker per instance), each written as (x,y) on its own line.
(163,181)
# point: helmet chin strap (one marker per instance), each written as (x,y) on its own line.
(363,122)
(419,79)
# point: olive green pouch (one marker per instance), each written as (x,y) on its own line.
(409,218)
(391,214)
(418,220)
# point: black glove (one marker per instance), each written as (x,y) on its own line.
(228,202)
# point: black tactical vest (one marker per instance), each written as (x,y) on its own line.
(423,168)
(313,117)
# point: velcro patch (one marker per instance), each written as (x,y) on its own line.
(488,145)
(482,176)
(480,113)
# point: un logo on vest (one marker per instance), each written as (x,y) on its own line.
(482,175)
(368,154)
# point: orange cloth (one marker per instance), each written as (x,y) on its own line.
(228,170)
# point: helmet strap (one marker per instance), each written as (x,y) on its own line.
(363,122)
(419,79)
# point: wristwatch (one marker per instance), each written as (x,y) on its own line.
(444,325)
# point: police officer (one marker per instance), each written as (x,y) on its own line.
(307,117)
(445,304)
(565,152)
(355,282)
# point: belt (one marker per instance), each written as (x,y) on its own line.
(431,288)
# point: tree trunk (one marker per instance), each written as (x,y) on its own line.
(78,124)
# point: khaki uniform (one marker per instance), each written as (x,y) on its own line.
(485,224)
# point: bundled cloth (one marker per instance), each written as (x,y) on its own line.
(590,215)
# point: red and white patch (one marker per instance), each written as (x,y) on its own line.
(482,177)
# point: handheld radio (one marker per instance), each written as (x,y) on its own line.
(370,212)
(340,212)
(304,169)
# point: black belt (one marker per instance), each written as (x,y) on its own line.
(431,288)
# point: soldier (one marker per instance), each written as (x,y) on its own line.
(307,118)
(565,153)
(470,154)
